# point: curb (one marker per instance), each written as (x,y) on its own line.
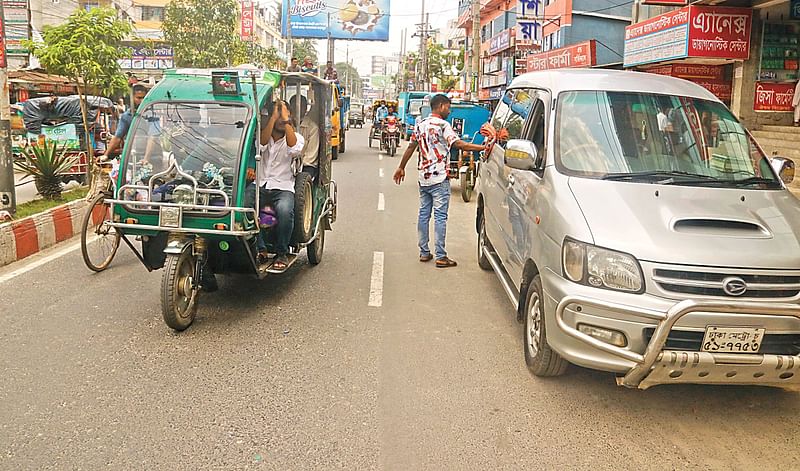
(25,237)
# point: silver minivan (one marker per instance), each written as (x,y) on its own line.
(639,229)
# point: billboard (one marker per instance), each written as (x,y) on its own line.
(248,12)
(154,57)
(349,19)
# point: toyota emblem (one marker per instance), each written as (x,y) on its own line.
(734,286)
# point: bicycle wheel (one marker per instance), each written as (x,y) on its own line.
(99,241)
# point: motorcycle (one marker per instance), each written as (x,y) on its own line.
(390,137)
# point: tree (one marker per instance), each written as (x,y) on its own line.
(86,48)
(204,34)
(302,48)
(349,77)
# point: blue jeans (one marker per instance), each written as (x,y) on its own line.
(282,203)
(436,198)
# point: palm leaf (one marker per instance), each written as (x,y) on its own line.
(45,161)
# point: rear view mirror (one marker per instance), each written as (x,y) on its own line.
(784,168)
(521,154)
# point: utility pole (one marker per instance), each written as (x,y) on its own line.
(425,68)
(8,198)
(476,49)
(290,48)
(330,41)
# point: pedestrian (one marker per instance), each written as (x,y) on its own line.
(796,104)
(434,137)
(294,66)
(331,73)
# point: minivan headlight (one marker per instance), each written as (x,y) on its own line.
(601,268)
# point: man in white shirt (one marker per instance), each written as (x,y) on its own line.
(280,146)
(309,128)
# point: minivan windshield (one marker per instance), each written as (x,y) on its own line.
(651,138)
(203,139)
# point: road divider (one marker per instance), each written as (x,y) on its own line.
(376,282)
(25,237)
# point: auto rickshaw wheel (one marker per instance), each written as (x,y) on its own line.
(314,250)
(334,153)
(303,208)
(341,144)
(179,290)
(466,185)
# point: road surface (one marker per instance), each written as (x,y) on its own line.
(300,372)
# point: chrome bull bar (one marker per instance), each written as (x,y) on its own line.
(642,374)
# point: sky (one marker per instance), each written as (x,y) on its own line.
(403,14)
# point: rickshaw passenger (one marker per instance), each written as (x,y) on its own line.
(280,145)
(309,129)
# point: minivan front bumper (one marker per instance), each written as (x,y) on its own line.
(659,366)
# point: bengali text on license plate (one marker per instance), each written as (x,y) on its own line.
(732,339)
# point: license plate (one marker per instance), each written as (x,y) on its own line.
(732,339)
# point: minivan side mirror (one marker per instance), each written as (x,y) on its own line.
(784,168)
(521,154)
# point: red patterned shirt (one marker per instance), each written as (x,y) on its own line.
(434,136)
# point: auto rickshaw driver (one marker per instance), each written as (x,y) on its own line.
(275,178)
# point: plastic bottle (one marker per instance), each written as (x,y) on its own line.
(267,217)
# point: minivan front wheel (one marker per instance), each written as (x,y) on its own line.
(540,358)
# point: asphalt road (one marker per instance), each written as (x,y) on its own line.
(299,372)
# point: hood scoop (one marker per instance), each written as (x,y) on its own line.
(721,228)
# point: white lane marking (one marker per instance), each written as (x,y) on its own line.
(40,261)
(380,156)
(380,172)
(381,202)
(376,283)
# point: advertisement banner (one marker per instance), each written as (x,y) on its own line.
(578,55)
(710,77)
(343,19)
(156,57)
(248,16)
(15,14)
(718,32)
(773,96)
(694,31)
(670,3)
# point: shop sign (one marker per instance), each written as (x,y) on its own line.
(500,42)
(710,77)
(693,31)
(773,96)
(2,43)
(157,57)
(248,12)
(528,28)
(794,10)
(484,94)
(578,55)
(15,20)
(671,3)
(496,93)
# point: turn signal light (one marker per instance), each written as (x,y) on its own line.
(221,226)
(131,221)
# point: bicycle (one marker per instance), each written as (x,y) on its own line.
(99,251)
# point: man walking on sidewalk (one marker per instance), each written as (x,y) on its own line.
(434,136)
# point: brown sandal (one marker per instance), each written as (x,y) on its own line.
(281,263)
(426,258)
(445,263)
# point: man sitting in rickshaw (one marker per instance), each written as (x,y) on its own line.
(280,146)
(309,128)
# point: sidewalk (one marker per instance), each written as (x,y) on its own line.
(25,192)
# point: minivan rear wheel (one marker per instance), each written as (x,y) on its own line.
(483,242)
(540,358)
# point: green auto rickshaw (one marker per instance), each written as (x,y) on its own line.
(185,170)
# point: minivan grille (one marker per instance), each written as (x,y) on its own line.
(690,341)
(704,283)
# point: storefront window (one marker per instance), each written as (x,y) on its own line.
(653,138)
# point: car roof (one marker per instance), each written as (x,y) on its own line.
(557,81)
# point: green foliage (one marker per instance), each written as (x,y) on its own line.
(87,46)
(348,76)
(302,48)
(204,33)
(46,164)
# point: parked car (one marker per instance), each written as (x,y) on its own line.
(639,229)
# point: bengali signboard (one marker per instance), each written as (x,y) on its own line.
(500,42)
(15,14)
(156,57)
(670,3)
(773,96)
(578,55)
(248,14)
(710,77)
(528,28)
(342,19)
(694,31)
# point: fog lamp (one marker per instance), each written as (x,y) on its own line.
(614,337)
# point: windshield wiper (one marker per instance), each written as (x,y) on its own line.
(659,176)
(754,181)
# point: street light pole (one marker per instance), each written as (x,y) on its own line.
(476,48)
(8,198)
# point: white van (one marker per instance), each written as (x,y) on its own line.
(639,229)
